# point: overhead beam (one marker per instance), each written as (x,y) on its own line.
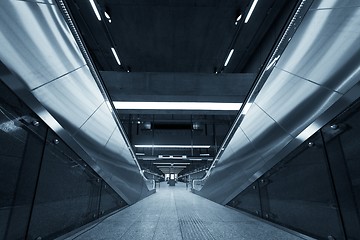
(175,87)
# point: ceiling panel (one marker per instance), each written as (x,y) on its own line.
(174,51)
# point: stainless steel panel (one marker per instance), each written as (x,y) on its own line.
(111,154)
(304,91)
(267,136)
(318,4)
(31,35)
(292,101)
(97,130)
(325,49)
(71,99)
(118,147)
(40,51)
(232,169)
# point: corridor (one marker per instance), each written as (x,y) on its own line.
(176,213)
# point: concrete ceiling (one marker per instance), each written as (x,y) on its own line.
(174,51)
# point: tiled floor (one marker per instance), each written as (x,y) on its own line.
(175,213)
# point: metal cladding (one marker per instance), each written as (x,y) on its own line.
(42,57)
(314,79)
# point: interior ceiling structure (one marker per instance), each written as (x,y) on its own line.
(176,51)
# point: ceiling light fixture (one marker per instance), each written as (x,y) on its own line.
(107,16)
(204,154)
(115,55)
(172,146)
(172,157)
(228,58)
(167,163)
(251,11)
(200,106)
(238,19)
(96,11)
(171,166)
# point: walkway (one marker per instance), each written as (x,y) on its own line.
(175,213)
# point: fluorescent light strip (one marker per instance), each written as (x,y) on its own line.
(171,157)
(251,11)
(203,106)
(116,56)
(239,17)
(228,58)
(160,163)
(172,146)
(96,11)
(171,167)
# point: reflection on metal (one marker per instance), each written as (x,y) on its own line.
(272,63)
(300,93)
(334,126)
(47,65)
(35,123)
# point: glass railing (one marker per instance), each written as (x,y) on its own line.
(316,188)
(47,190)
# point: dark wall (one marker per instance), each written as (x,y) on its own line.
(316,188)
(46,189)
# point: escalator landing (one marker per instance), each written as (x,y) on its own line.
(176,213)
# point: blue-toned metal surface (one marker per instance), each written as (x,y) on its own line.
(71,94)
(314,79)
(116,145)
(49,72)
(326,4)
(97,130)
(266,135)
(293,102)
(31,35)
(325,49)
